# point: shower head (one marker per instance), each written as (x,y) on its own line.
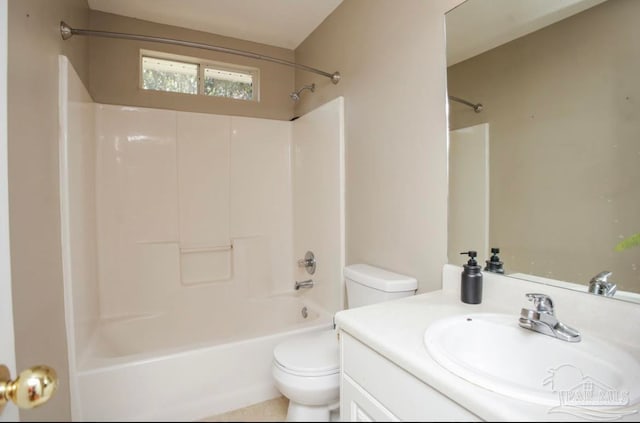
(295,96)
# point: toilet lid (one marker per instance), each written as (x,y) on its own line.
(311,354)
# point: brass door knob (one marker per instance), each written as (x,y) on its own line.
(32,387)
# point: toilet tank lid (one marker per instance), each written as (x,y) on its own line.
(381,279)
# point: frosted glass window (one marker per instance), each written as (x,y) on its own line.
(225,83)
(169,75)
(161,71)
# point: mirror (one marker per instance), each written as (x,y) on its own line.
(548,169)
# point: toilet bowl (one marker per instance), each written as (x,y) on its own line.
(306,369)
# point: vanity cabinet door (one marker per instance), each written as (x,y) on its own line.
(357,405)
(373,388)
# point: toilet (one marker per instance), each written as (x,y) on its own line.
(306,368)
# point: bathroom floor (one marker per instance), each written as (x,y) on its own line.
(274,410)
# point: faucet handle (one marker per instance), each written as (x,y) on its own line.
(600,285)
(541,302)
(308,262)
(602,276)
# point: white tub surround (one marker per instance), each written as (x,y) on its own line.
(392,335)
(178,234)
(318,200)
(176,192)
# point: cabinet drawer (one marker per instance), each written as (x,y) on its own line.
(399,392)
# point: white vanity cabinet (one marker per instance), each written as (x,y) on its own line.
(372,388)
(388,373)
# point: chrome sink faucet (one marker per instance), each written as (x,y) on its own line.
(600,285)
(542,319)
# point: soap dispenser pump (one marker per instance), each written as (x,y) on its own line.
(494,264)
(471,280)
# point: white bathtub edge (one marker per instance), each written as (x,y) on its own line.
(202,383)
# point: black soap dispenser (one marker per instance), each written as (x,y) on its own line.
(494,264)
(471,280)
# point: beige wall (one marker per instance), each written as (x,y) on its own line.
(563,114)
(114,67)
(392,59)
(34,45)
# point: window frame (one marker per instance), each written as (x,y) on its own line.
(202,65)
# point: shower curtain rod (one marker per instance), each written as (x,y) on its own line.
(67,32)
(476,107)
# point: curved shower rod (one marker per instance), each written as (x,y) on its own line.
(476,107)
(67,32)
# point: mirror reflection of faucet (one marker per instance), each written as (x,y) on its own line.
(600,285)
(542,319)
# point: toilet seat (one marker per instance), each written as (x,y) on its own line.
(313,354)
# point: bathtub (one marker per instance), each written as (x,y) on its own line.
(157,367)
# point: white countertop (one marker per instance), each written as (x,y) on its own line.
(395,329)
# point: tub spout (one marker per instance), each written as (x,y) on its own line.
(304,284)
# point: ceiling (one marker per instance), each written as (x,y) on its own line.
(472,28)
(480,25)
(281,23)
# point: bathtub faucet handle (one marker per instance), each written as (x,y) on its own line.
(304,284)
(308,262)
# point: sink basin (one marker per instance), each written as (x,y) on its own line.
(494,352)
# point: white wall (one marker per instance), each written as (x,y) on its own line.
(318,200)
(469,193)
(78,205)
(261,197)
(77,214)
(137,197)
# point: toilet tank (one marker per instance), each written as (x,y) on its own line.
(369,285)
